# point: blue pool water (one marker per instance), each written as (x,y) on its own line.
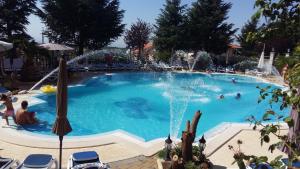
(139,103)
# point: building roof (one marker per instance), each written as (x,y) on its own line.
(234,46)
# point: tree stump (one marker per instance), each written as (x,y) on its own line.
(188,138)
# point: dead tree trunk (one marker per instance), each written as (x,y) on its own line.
(188,138)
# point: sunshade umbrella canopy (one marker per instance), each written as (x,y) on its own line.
(4,46)
(61,126)
(55,47)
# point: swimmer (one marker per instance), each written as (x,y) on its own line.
(238,96)
(233,80)
(221,96)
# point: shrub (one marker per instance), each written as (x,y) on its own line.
(29,71)
(243,65)
(203,61)
(281,61)
(163,56)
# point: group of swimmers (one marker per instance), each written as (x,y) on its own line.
(238,95)
(22,116)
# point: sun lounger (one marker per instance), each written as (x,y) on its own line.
(87,159)
(259,166)
(7,163)
(294,164)
(38,161)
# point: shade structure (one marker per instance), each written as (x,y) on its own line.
(55,47)
(4,46)
(261,62)
(62,126)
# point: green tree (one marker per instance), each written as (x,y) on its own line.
(248,45)
(282,27)
(14,18)
(169,28)
(137,36)
(88,24)
(207,26)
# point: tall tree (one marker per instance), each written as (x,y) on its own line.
(169,28)
(88,24)
(207,26)
(248,45)
(14,18)
(137,36)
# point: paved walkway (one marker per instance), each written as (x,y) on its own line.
(140,162)
(222,157)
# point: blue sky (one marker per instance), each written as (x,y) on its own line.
(148,10)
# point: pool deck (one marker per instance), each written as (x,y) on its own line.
(120,152)
(123,150)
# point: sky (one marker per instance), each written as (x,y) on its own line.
(148,10)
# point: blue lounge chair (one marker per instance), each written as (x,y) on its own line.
(260,166)
(85,160)
(38,161)
(7,163)
(285,161)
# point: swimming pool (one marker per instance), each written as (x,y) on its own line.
(140,103)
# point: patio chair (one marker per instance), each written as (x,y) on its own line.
(85,160)
(7,163)
(38,161)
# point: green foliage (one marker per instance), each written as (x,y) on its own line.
(207,28)
(282,29)
(170,27)
(246,64)
(296,50)
(190,165)
(248,45)
(203,62)
(281,61)
(138,35)
(163,56)
(88,24)
(294,81)
(29,71)
(286,98)
(161,154)
(14,18)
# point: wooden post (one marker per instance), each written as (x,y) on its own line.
(188,138)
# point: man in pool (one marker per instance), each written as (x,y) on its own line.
(238,96)
(233,80)
(221,97)
(24,117)
(9,112)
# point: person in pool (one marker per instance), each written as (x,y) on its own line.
(24,117)
(9,112)
(238,96)
(221,97)
(233,80)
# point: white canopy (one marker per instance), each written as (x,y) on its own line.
(5,46)
(55,46)
(261,63)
